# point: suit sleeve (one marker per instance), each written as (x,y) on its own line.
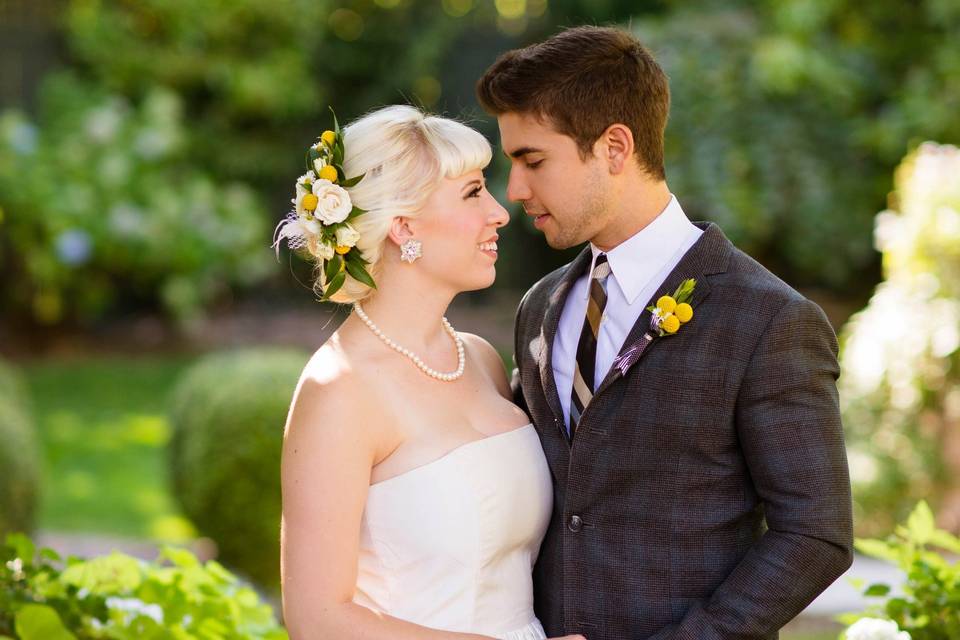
(788,422)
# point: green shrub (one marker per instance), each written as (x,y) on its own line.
(227,414)
(929,608)
(120,597)
(19,457)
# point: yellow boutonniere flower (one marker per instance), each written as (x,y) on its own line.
(673,311)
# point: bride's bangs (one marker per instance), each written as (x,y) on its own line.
(460,149)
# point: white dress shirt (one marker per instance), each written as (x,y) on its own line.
(639,266)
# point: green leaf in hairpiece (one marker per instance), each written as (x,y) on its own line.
(358,273)
(346,184)
(333,266)
(334,285)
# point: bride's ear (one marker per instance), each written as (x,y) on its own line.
(400,230)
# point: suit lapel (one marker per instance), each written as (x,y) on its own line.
(548,331)
(709,255)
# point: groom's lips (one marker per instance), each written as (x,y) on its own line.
(540,219)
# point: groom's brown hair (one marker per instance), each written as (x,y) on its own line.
(583,80)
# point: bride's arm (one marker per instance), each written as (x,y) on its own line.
(328,453)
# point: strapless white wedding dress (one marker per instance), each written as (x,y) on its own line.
(451,544)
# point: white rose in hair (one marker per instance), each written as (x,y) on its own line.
(334,202)
(347,236)
(875,629)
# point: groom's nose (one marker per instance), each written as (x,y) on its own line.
(517,188)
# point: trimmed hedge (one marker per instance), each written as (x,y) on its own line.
(228,413)
(19,456)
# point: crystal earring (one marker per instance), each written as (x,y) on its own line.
(410,250)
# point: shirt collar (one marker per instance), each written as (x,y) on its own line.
(640,257)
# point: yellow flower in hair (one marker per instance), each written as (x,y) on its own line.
(310,202)
(670,324)
(666,304)
(329,137)
(341,249)
(684,312)
(329,172)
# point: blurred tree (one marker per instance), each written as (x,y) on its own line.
(788,118)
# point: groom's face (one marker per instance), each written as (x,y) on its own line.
(563,193)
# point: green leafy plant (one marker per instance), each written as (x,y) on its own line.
(103,209)
(43,597)
(929,608)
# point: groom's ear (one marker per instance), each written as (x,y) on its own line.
(616,147)
(400,230)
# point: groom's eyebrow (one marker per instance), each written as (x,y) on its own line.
(522,151)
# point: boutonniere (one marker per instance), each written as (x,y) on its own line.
(673,311)
(666,318)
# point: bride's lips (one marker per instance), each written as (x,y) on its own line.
(489,247)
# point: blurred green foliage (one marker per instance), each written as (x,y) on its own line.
(929,606)
(788,116)
(104,208)
(228,413)
(19,455)
(43,597)
(900,390)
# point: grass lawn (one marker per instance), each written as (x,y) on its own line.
(103,430)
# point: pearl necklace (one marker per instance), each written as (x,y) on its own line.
(433,373)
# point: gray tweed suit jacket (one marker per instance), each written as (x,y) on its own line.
(706,494)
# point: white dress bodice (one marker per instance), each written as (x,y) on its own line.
(451,544)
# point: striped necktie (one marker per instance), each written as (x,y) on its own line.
(583,374)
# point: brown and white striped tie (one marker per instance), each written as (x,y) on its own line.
(583,373)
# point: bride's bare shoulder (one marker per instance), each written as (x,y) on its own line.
(335,370)
(334,383)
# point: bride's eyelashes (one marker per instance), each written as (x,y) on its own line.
(474,193)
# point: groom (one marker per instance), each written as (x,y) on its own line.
(701,489)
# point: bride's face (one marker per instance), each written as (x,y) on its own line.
(458,228)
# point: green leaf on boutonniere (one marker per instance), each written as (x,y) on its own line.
(358,273)
(334,285)
(684,291)
(333,266)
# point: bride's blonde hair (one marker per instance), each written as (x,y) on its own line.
(403,154)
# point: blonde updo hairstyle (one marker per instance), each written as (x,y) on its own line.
(403,155)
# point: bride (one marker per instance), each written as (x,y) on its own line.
(415,493)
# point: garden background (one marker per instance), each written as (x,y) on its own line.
(150,340)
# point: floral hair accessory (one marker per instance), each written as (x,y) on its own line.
(320,220)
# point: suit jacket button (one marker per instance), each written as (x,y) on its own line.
(575,524)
